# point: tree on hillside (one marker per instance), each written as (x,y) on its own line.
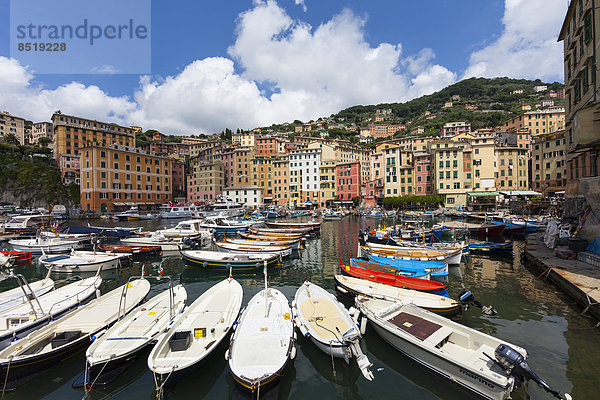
(44,141)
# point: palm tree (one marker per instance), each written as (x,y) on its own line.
(11,139)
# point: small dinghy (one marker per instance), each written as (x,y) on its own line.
(82,261)
(16,255)
(283,251)
(38,310)
(223,261)
(263,341)
(387,276)
(24,292)
(134,251)
(168,244)
(119,347)
(478,362)
(62,338)
(199,330)
(432,302)
(294,244)
(491,247)
(327,323)
(447,255)
(400,268)
(45,245)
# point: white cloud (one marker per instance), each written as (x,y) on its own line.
(527,47)
(312,72)
(301,3)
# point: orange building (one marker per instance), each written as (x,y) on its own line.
(120,176)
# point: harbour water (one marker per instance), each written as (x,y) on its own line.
(562,344)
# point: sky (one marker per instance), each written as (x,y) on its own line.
(243,64)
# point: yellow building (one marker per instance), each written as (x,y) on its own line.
(242,166)
(452,173)
(327,171)
(120,176)
(512,169)
(281,185)
(262,176)
(206,180)
(548,164)
(537,122)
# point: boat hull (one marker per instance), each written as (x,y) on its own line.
(488,230)
(465,378)
(224,266)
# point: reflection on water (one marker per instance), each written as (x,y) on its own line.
(562,347)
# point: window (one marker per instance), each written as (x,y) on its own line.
(587,27)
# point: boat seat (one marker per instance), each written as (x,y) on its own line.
(415,325)
(324,317)
(439,336)
(56,258)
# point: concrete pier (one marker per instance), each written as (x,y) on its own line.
(579,280)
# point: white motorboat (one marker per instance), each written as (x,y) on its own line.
(168,244)
(112,352)
(27,223)
(83,238)
(37,311)
(168,211)
(191,228)
(294,244)
(202,326)
(45,245)
(327,323)
(264,340)
(20,295)
(283,251)
(132,214)
(25,358)
(435,303)
(452,350)
(224,225)
(82,261)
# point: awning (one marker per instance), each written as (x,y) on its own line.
(119,204)
(130,204)
(521,193)
(481,194)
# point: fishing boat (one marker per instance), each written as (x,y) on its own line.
(441,231)
(478,362)
(167,244)
(386,275)
(268,238)
(333,216)
(294,244)
(197,332)
(24,292)
(85,239)
(223,261)
(82,261)
(412,269)
(313,226)
(45,245)
(476,229)
(378,236)
(17,255)
(133,250)
(62,338)
(490,247)
(281,231)
(433,267)
(169,211)
(360,287)
(448,256)
(281,235)
(111,353)
(37,311)
(27,224)
(283,251)
(511,228)
(263,342)
(327,323)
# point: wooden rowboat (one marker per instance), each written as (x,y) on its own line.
(140,251)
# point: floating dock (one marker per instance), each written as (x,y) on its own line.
(579,280)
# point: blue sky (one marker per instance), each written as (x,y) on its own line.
(214,54)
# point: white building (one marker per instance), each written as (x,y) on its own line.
(538,89)
(248,196)
(244,139)
(305,173)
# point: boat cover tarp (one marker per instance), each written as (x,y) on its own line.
(594,247)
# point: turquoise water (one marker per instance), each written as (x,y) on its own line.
(562,344)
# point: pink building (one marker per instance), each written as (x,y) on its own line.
(373,193)
(178,180)
(266,146)
(347,176)
(227,157)
(423,174)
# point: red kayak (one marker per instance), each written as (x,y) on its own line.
(141,251)
(18,255)
(362,270)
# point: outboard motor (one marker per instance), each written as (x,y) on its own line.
(514,363)
(467,299)
(188,241)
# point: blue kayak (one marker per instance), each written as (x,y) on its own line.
(413,273)
(434,267)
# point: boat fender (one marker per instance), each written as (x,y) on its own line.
(227,355)
(341,289)
(293,352)
(363,325)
